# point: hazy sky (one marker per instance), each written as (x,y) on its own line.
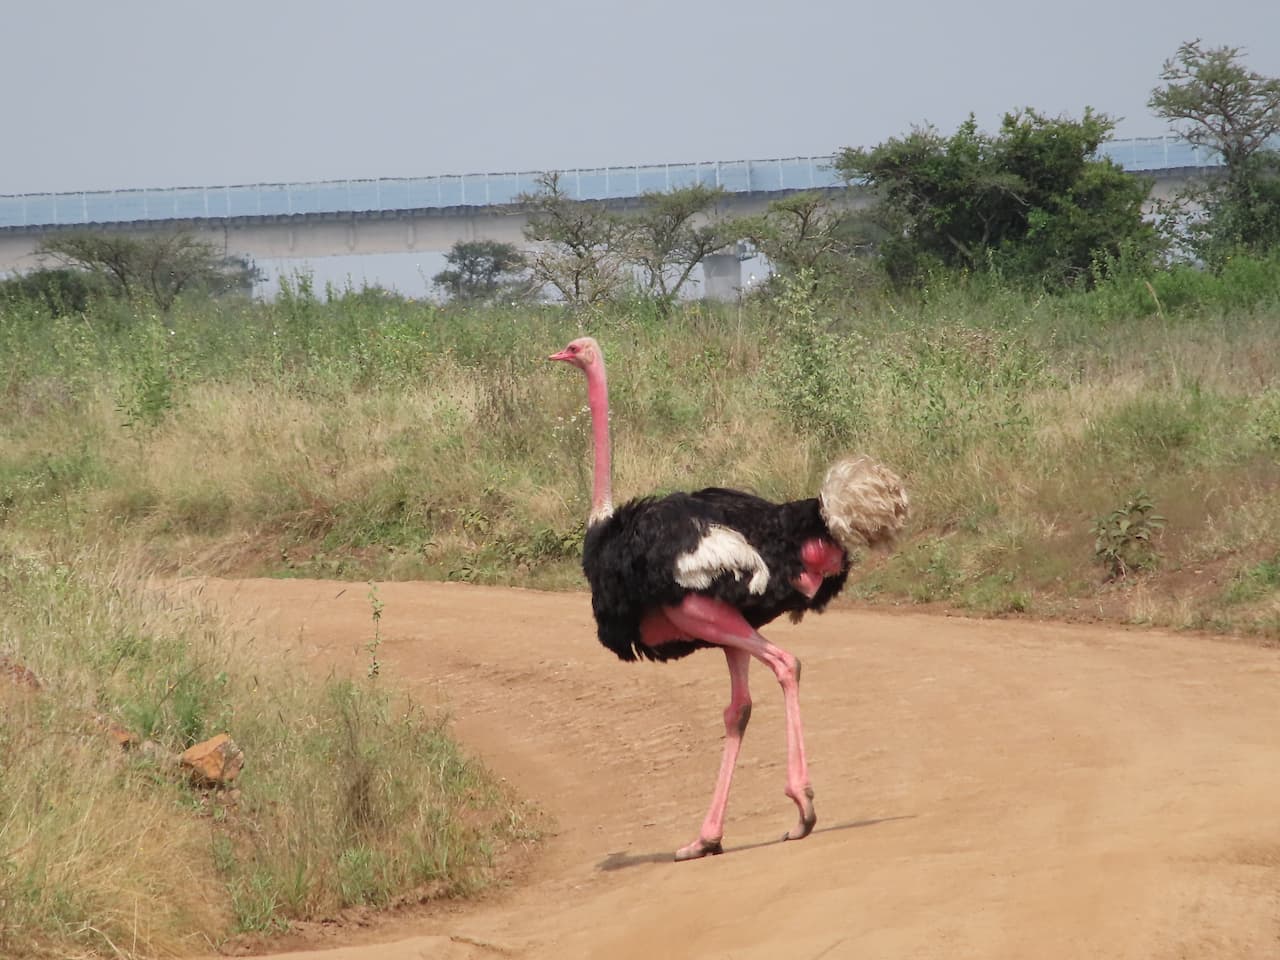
(142,93)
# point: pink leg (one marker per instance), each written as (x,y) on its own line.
(736,716)
(716,622)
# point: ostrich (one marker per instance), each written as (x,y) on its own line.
(673,574)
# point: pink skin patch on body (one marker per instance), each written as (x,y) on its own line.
(821,559)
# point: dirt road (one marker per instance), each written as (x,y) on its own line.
(985,789)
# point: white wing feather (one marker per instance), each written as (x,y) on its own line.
(722,550)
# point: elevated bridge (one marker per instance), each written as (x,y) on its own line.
(272,221)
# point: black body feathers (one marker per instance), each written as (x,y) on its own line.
(631,559)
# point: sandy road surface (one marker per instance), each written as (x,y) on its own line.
(984,789)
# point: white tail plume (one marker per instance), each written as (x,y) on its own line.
(863,503)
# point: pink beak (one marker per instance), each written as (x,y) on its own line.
(562,355)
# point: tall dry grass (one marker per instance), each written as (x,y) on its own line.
(372,436)
(351,796)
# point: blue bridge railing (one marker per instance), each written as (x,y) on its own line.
(338,197)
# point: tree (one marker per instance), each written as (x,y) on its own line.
(484,271)
(804,232)
(159,267)
(579,244)
(1035,201)
(1219,104)
(672,233)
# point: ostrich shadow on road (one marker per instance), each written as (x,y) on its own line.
(620,861)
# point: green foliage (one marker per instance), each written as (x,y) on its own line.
(672,233)
(1254,582)
(376,606)
(1264,425)
(1124,539)
(1218,103)
(956,386)
(1152,426)
(1128,289)
(579,251)
(158,267)
(807,233)
(1214,221)
(254,898)
(586,253)
(151,374)
(1034,202)
(1221,105)
(810,373)
(996,595)
(47,478)
(483,271)
(148,397)
(931,571)
(61,292)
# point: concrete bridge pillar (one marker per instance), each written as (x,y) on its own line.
(721,277)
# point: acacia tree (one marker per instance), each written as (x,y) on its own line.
(578,248)
(1035,201)
(806,234)
(1218,103)
(1215,102)
(159,267)
(484,271)
(672,233)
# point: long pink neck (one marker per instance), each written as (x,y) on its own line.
(598,401)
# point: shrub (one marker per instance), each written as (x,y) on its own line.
(62,291)
(1124,538)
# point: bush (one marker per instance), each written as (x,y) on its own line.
(59,292)
(1035,202)
(1125,537)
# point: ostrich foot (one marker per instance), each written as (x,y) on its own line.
(808,817)
(698,849)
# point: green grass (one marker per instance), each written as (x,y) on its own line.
(1254,582)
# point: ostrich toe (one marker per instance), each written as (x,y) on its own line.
(808,816)
(699,849)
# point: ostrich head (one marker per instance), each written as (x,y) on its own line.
(582,353)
